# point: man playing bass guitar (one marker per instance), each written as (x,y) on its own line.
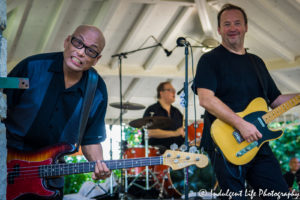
(49,111)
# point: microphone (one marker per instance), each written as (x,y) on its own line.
(168,53)
(181,42)
(178,93)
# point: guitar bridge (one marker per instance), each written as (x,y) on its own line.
(247,149)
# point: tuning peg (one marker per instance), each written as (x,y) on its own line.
(183,148)
(193,149)
(174,147)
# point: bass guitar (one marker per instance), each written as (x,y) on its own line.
(26,171)
(235,149)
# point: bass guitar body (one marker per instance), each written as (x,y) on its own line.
(29,182)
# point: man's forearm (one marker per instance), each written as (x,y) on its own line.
(92,152)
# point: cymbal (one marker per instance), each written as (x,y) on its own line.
(151,122)
(127,106)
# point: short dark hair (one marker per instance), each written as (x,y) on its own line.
(161,87)
(229,6)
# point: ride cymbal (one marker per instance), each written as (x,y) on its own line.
(127,106)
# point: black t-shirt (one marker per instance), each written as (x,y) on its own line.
(290,178)
(234,81)
(177,120)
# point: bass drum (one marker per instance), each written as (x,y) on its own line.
(199,178)
(139,152)
(172,181)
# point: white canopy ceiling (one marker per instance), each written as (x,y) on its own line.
(36,26)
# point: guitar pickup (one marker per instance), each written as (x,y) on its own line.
(246,149)
(236,134)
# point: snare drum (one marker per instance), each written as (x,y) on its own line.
(139,152)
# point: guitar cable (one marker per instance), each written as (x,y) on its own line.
(229,170)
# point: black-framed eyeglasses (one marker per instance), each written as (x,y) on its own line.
(77,43)
(170,90)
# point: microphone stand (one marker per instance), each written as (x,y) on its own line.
(120,56)
(133,51)
(186,98)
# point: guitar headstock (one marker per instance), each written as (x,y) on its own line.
(178,160)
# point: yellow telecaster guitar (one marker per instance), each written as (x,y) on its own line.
(235,149)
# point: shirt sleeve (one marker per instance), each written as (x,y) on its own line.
(96,131)
(205,75)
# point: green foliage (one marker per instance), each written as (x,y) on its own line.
(73,182)
(288,145)
(133,136)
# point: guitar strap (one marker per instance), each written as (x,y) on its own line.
(88,98)
(259,77)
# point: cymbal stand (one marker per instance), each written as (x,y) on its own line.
(146,170)
(160,196)
(146,137)
(120,56)
(146,155)
(121,193)
(111,177)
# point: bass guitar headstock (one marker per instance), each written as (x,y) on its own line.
(178,160)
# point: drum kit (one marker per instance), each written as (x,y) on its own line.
(161,178)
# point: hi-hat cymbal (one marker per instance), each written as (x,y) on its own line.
(152,122)
(127,106)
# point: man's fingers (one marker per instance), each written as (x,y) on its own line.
(101,170)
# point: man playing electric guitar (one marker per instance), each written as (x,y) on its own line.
(49,111)
(227,80)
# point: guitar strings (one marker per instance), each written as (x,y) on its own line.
(33,171)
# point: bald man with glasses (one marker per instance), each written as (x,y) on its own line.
(49,111)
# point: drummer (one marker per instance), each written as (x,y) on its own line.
(173,132)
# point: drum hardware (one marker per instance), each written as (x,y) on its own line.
(193,149)
(129,105)
(111,177)
(126,182)
(174,147)
(147,187)
(138,173)
(147,154)
(151,122)
(195,133)
(183,148)
(160,196)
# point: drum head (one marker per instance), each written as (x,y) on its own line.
(199,178)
